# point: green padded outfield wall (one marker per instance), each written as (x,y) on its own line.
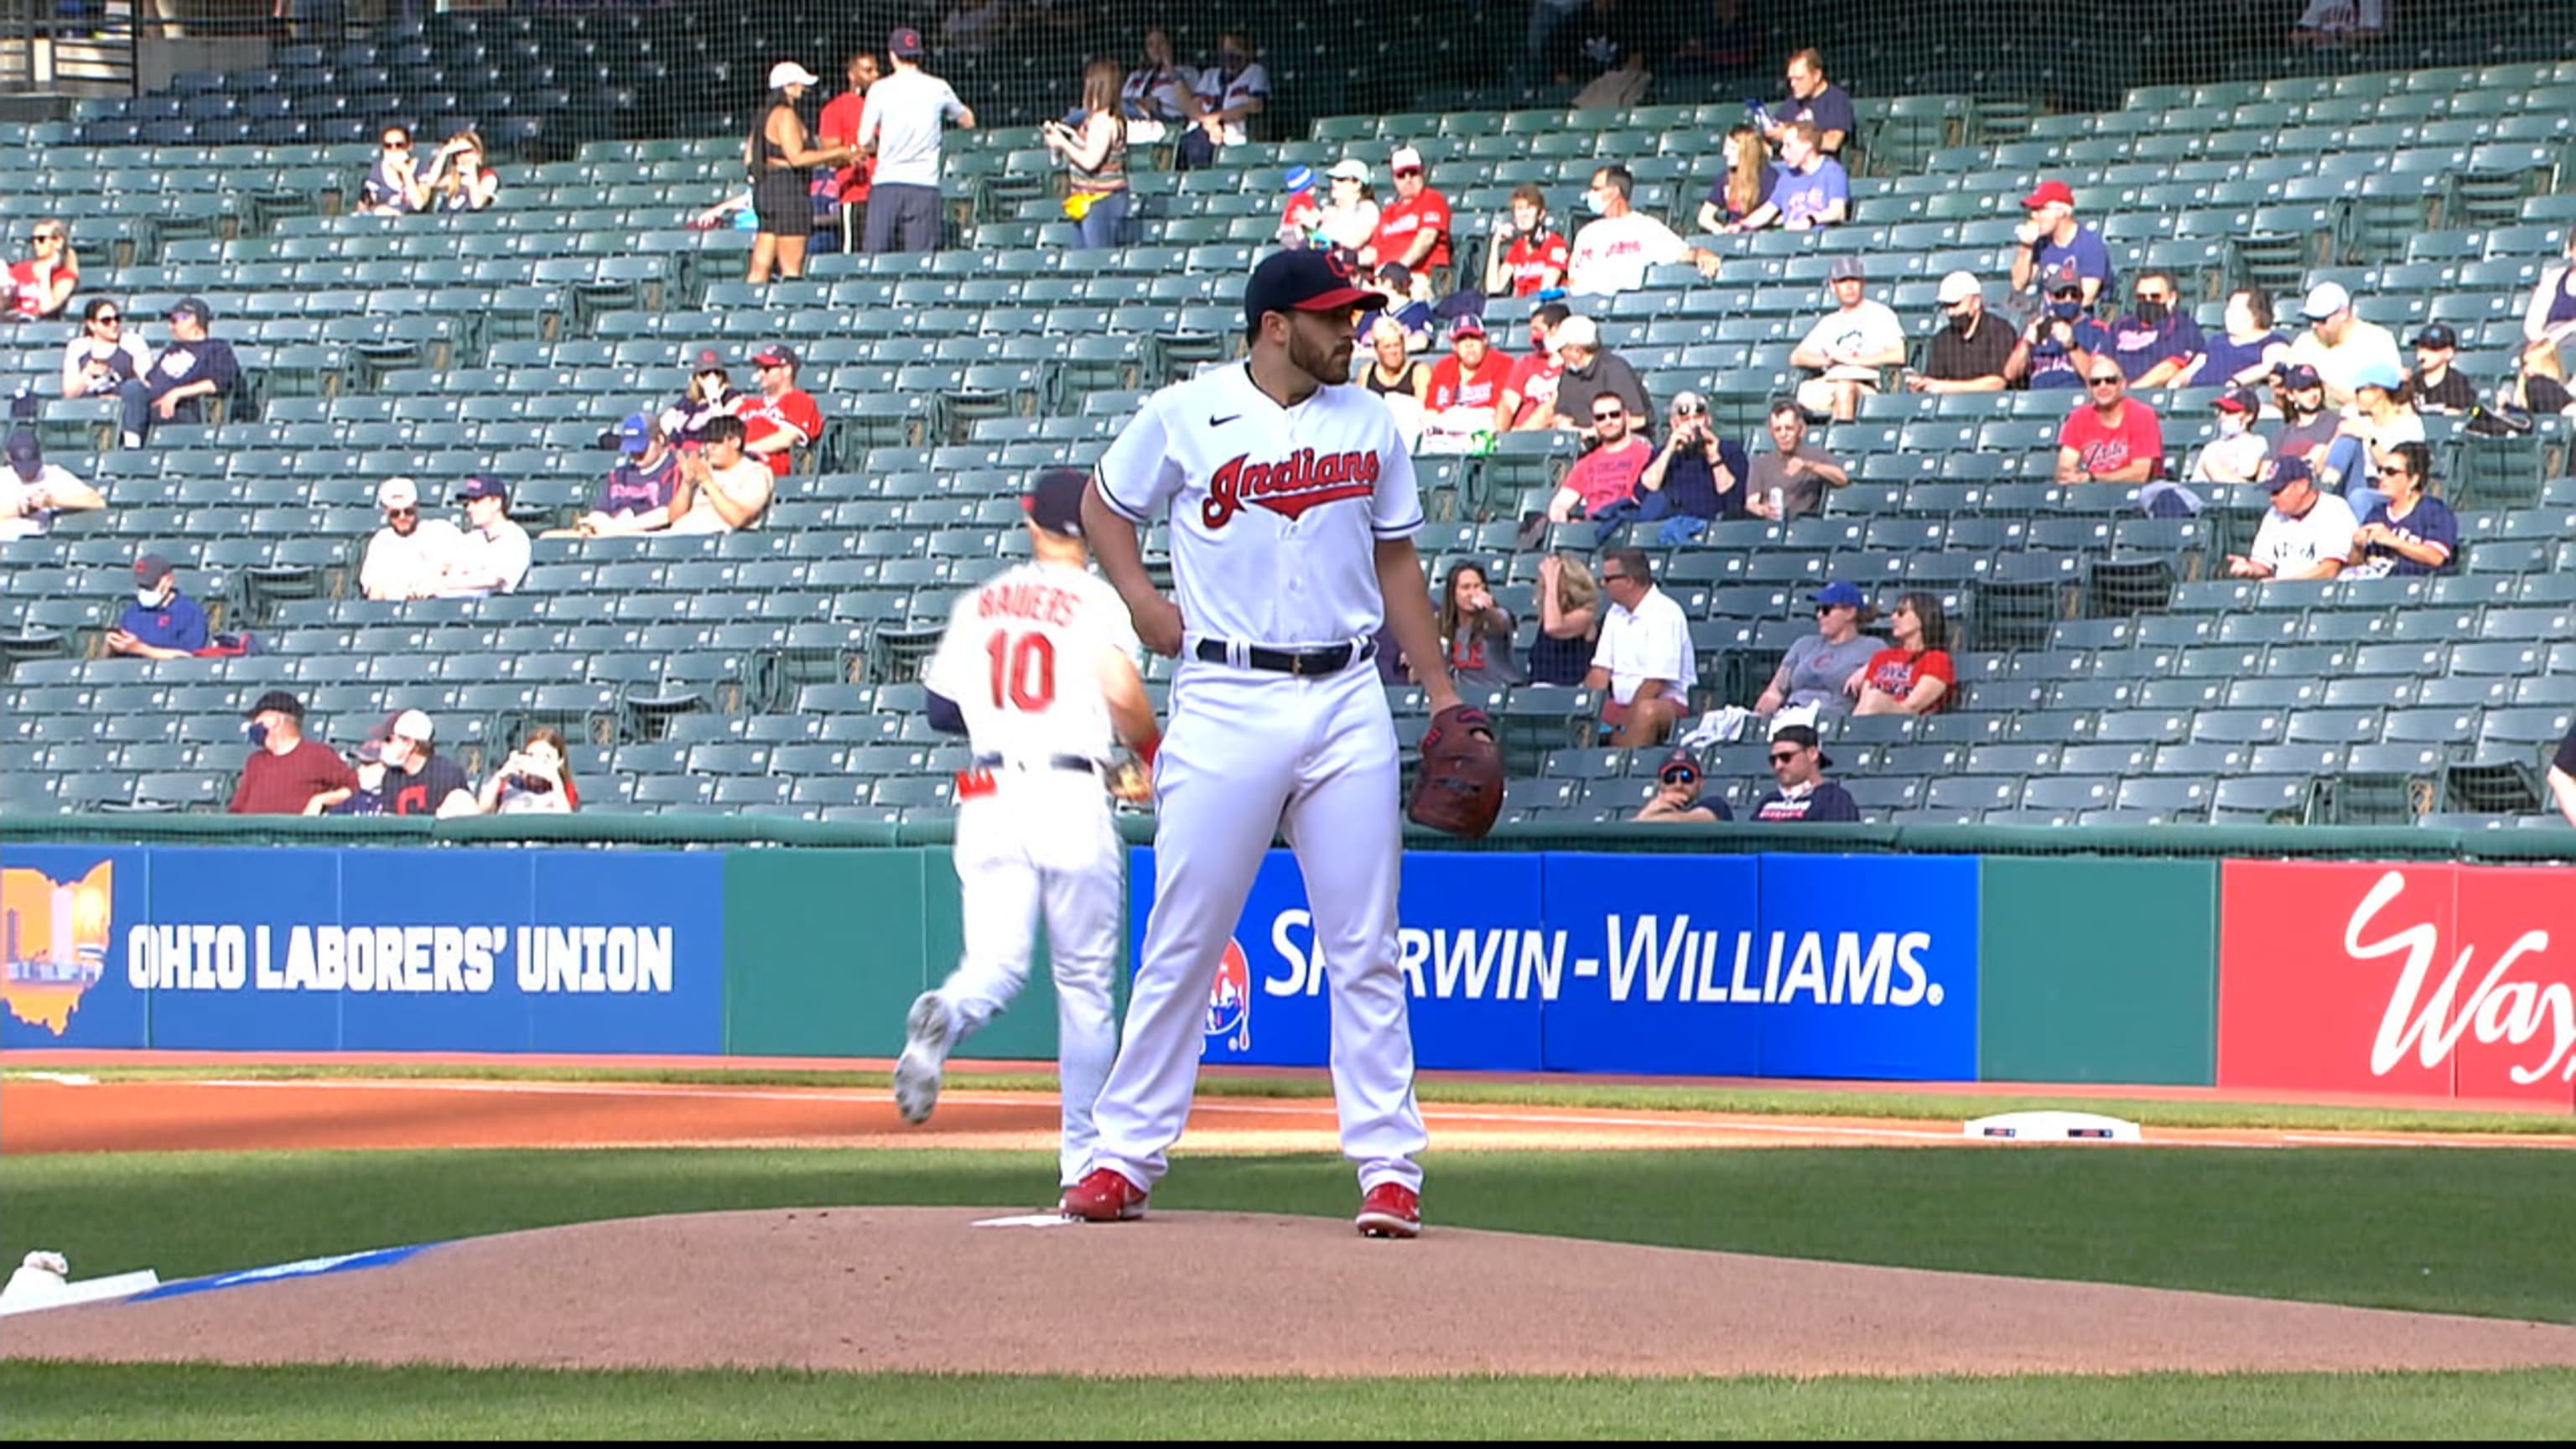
(2099,971)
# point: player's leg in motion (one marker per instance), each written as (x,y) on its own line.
(1084,888)
(1343,823)
(1220,781)
(998,897)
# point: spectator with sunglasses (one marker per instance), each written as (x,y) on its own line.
(1799,762)
(1694,478)
(1677,798)
(2409,531)
(2058,347)
(1913,675)
(41,286)
(1413,229)
(409,556)
(1644,665)
(1607,476)
(2112,437)
(1819,666)
(394,185)
(104,357)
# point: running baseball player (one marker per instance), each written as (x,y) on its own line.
(1293,509)
(1037,669)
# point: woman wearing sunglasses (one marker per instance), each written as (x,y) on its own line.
(104,357)
(41,286)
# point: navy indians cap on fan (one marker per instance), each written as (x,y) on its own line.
(1054,500)
(1305,280)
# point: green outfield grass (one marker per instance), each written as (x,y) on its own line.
(90,1402)
(2481,1232)
(1570,1092)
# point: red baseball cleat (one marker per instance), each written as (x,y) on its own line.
(1391,1210)
(1103,1197)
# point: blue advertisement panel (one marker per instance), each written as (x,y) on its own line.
(625,951)
(425,937)
(1660,945)
(1468,941)
(63,913)
(1875,960)
(227,949)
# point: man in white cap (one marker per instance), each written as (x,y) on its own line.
(1413,229)
(2339,344)
(408,557)
(1972,352)
(418,779)
(901,129)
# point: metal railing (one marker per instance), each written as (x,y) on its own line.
(71,46)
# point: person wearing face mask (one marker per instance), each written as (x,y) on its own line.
(161,623)
(288,774)
(1231,92)
(2061,341)
(710,395)
(1973,352)
(2248,350)
(2551,317)
(2314,436)
(418,779)
(407,558)
(1612,253)
(2236,455)
(2157,339)
(1528,403)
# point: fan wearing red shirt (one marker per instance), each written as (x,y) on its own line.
(1536,259)
(1915,675)
(1529,395)
(781,417)
(1413,229)
(2111,437)
(839,126)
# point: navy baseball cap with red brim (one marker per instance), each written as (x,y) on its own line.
(1305,280)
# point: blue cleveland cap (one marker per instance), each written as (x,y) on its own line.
(481,485)
(1305,280)
(635,435)
(1841,596)
(1054,500)
(2282,470)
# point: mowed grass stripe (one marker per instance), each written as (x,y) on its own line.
(69,1401)
(2444,1231)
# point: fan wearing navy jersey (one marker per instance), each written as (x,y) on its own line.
(1799,762)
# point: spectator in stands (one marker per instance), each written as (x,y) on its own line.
(839,127)
(2051,240)
(2379,420)
(1303,215)
(2562,777)
(1694,478)
(492,556)
(2436,386)
(781,158)
(1400,299)
(1818,667)
(1159,93)
(2551,317)
(1412,230)
(1607,475)
(2541,385)
(1677,798)
(2156,340)
(1094,151)
(408,557)
(33,491)
(1790,480)
(41,285)
(1349,217)
(2110,437)
(1744,188)
(1815,100)
(1644,660)
(1973,351)
(2339,344)
(1231,93)
(2060,343)
(2236,455)
(1808,190)
(458,180)
(1799,762)
(535,780)
(1527,255)
(901,131)
(418,779)
(1588,372)
(2305,534)
(636,495)
(1569,621)
(1529,397)
(710,395)
(288,774)
(194,367)
(1611,253)
(393,185)
(367,761)
(2313,435)
(2407,530)
(161,623)
(1465,387)
(720,489)
(2248,351)
(781,417)
(2339,24)
(1391,370)
(104,357)
(1476,632)
(1848,346)
(1913,674)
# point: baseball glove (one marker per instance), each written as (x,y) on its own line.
(1129,784)
(1459,789)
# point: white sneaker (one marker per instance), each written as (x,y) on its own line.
(927,1032)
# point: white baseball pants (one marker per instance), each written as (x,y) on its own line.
(1250,752)
(1043,840)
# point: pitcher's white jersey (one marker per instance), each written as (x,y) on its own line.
(1021,659)
(1263,550)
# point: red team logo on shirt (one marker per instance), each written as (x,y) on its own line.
(1229,1013)
(1289,487)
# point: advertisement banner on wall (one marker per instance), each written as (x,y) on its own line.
(1672,964)
(392,950)
(2398,980)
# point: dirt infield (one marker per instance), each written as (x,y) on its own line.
(1223,1294)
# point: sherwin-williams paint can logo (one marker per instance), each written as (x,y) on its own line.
(55,936)
(1229,1013)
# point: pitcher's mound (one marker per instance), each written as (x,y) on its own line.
(1224,1294)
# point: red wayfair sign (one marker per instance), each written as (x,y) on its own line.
(2403,980)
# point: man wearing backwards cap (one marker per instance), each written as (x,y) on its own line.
(2052,238)
(288,774)
(901,129)
(1293,508)
(2305,534)
(1038,671)
(161,623)
(419,780)
(1799,762)
(2339,344)
(408,557)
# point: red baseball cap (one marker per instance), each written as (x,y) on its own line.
(2048,191)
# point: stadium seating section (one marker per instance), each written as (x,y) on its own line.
(2108,670)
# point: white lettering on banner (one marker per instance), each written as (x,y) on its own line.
(579,960)
(422,960)
(1501,963)
(2511,1012)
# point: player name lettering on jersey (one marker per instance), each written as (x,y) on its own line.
(1289,487)
(1025,601)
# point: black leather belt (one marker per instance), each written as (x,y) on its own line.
(1332,659)
(1082,764)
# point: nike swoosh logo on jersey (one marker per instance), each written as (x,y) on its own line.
(1221,422)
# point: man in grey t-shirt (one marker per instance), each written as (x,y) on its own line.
(901,128)
(1790,480)
(1819,665)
